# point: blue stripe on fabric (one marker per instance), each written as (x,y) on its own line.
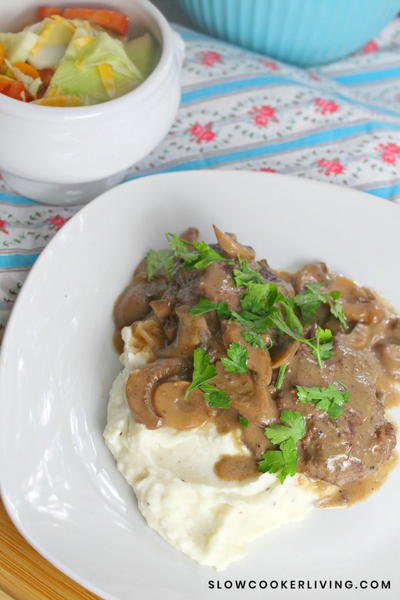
(367,76)
(307,140)
(385,192)
(230,86)
(10,198)
(374,107)
(17,260)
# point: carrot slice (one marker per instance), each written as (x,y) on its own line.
(111,19)
(27,69)
(48,11)
(2,52)
(10,87)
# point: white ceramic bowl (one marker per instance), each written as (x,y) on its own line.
(60,483)
(70,155)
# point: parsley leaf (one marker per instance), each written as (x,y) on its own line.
(329,399)
(195,255)
(254,339)
(251,321)
(244,275)
(292,319)
(283,461)
(236,361)
(203,370)
(323,345)
(281,375)
(337,310)
(259,297)
(243,421)
(294,428)
(205,305)
(161,260)
(215,397)
(311,298)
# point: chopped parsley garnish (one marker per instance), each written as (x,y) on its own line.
(251,321)
(244,275)
(205,305)
(311,298)
(281,375)
(243,421)
(236,359)
(195,255)
(160,260)
(283,461)
(215,397)
(323,345)
(259,298)
(203,371)
(330,398)
(254,339)
(294,427)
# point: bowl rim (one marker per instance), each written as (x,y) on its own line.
(26,110)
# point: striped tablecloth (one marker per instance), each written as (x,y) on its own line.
(337,123)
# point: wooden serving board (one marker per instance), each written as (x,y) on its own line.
(25,575)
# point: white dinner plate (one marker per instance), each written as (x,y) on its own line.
(59,481)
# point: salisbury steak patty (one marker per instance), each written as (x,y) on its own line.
(346,448)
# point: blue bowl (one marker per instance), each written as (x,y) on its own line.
(301,32)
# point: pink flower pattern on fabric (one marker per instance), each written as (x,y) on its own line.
(209,57)
(370,46)
(262,115)
(202,133)
(330,167)
(389,152)
(269,64)
(57,222)
(267,170)
(325,106)
(3,229)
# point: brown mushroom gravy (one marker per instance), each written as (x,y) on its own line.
(350,453)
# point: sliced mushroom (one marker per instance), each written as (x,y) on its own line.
(140,273)
(191,234)
(283,352)
(141,384)
(231,246)
(251,400)
(133,303)
(363,312)
(313,273)
(255,439)
(192,332)
(148,335)
(258,360)
(259,408)
(161,308)
(176,411)
(217,285)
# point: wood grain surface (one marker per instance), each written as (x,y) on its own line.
(25,575)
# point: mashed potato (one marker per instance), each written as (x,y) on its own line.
(172,473)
